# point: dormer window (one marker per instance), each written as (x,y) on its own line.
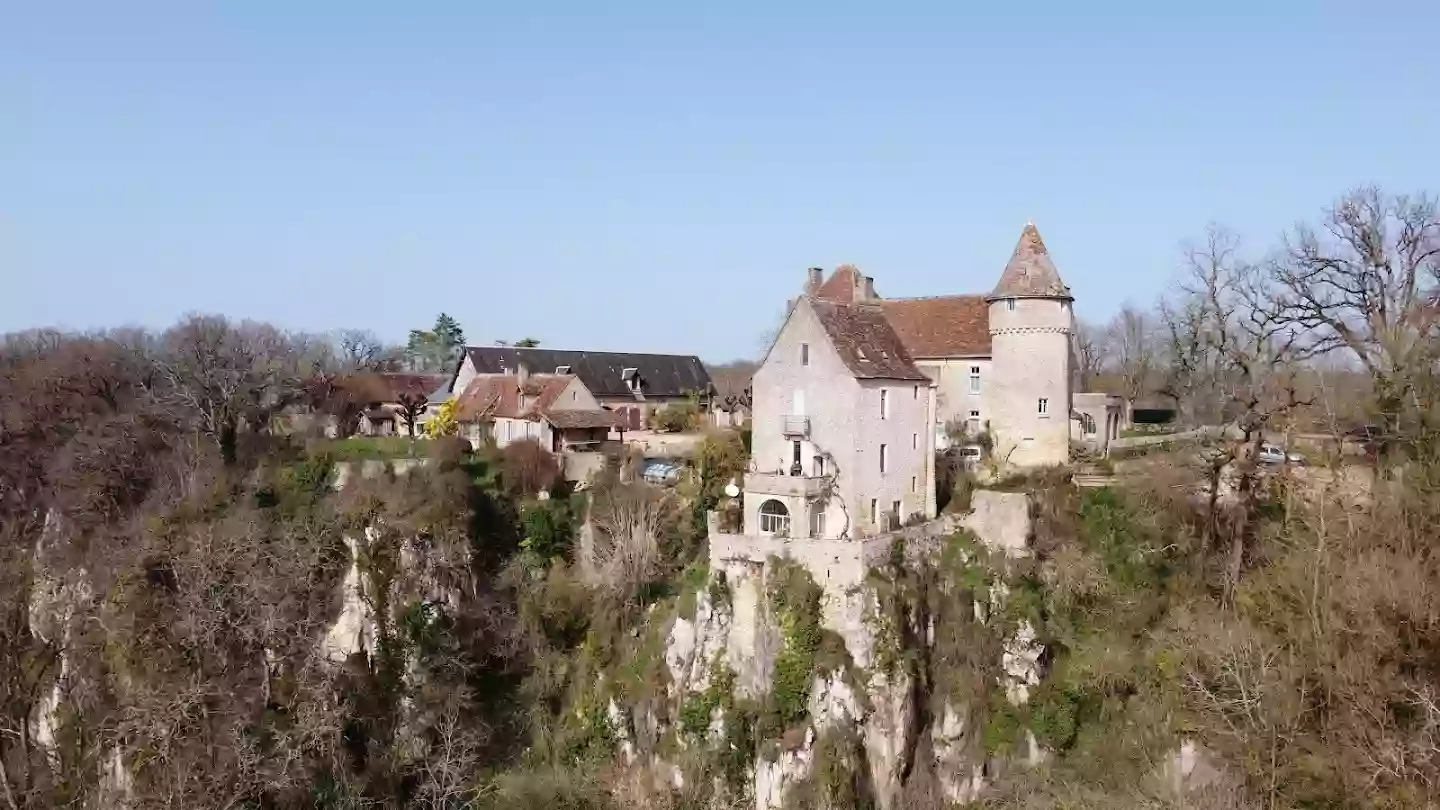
(631,376)
(562,369)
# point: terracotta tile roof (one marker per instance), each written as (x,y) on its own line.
(491,396)
(583,419)
(942,326)
(377,387)
(844,286)
(1030,273)
(865,340)
(482,398)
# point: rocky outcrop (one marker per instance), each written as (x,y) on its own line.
(873,697)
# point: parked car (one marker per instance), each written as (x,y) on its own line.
(1270,454)
(660,472)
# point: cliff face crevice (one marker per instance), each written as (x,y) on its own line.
(871,690)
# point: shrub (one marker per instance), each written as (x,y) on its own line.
(448,451)
(677,417)
(527,467)
(547,526)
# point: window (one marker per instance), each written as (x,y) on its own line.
(894,514)
(974,421)
(1043,408)
(974,379)
(574,395)
(884,404)
(1010,304)
(914,392)
(874,512)
(817,521)
(1087,422)
(914,484)
(774,517)
(914,441)
(884,456)
(817,466)
(804,354)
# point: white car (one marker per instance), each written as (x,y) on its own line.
(1270,454)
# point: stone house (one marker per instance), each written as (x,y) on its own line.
(630,384)
(842,444)
(379,397)
(555,410)
(1099,418)
(1000,361)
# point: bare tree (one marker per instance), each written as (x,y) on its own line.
(1188,375)
(412,403)
(1088,350)
(1130,348)
(1233,351)
(360,350)
(223,378)
(1366,283)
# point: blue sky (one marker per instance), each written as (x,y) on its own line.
(658,175)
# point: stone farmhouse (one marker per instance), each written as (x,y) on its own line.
(854,394)
(556,410)
(631,385)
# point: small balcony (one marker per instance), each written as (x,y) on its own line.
(805,486)
(795,426)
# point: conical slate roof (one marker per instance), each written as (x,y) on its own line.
(1030,273)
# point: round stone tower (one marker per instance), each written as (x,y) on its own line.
(1031,323)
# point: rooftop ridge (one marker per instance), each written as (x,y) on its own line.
(576,351)
(933,297)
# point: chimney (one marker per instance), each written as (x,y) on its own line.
(868,293)
(523,372)
(815,278)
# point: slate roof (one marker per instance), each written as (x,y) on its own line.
(663,375)
(865,340)
(942,326)
(1030,273)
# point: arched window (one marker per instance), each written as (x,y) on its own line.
(774,518)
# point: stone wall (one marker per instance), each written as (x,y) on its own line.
(1030,346)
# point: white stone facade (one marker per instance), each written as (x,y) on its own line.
(1030,389)
(859,451)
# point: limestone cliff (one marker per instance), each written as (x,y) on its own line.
(865,689)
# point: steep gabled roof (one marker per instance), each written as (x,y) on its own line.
(844,286)
(498,396)
(942,326)
(865,340)
(377,387)
(663,375)
(1030,273)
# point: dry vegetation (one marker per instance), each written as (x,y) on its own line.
(171,563)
